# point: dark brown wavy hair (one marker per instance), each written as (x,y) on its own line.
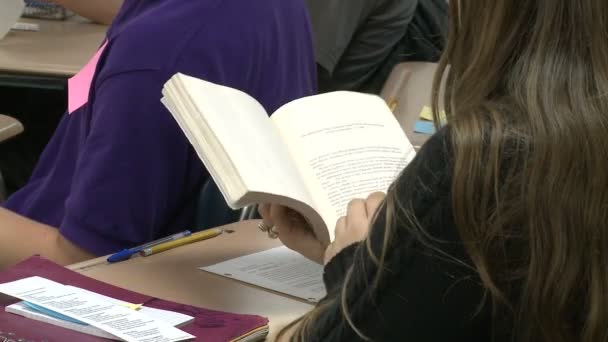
(527,104)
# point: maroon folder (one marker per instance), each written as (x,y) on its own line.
(208,326)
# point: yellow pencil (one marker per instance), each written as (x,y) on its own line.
(194,237)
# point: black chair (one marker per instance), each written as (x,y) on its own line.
(213,211)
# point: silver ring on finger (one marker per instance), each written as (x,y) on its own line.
(264,227)
(272,233)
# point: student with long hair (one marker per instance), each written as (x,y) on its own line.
(498,230)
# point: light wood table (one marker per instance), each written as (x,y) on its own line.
(174,275)
(56,52)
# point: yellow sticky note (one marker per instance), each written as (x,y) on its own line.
(427,114)
(132,306)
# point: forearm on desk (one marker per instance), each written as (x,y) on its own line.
(21,238)
(101,11)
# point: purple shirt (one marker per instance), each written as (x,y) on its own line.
(119,172)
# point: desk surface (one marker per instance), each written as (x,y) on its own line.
(60,48)
(173,275)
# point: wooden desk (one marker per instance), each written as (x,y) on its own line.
(174,275)
(57,51)
(9,127)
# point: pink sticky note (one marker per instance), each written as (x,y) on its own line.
(80,85)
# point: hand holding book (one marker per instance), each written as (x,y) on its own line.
(296,233)
(355,225)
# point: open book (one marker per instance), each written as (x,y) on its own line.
(313,154)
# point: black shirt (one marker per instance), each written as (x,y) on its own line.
(429,290)
(358,42)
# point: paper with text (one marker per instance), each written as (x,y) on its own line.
(346,145)
(175,319)
(279,269)
(119,321)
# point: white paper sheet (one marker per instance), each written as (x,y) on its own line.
(175,319)
(10,12)
(119,321)
(279,269)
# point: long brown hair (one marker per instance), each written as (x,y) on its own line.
(527,105)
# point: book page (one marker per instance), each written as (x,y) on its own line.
(233,136)
(347,145)
(279,269)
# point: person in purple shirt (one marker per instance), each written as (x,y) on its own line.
(119,172)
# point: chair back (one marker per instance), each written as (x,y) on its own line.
(407,91)
(212,209)
(9,128)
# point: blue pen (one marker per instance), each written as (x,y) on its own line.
(127,253)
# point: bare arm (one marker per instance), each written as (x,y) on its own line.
(100,11)
(21,238)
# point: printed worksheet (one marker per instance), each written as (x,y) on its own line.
(279,269)
(120,321)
